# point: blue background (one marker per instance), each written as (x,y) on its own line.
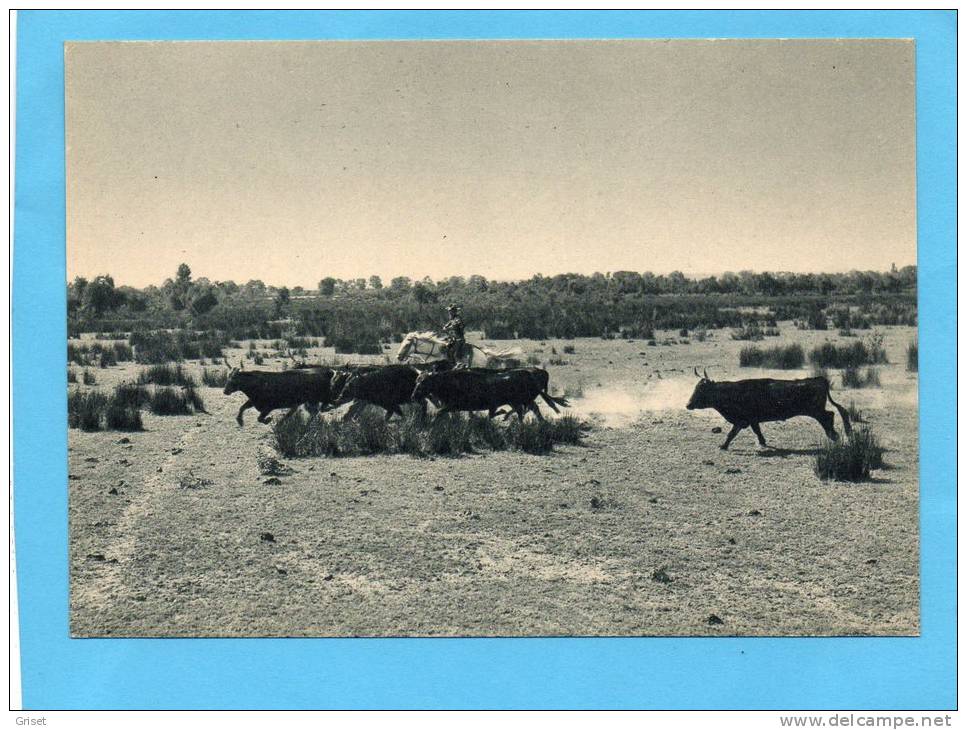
(60,673)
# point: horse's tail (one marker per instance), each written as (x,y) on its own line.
(842,411)
(512,352)
(554,401)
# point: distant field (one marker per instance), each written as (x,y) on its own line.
(647,529)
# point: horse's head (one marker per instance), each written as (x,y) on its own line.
(405,346)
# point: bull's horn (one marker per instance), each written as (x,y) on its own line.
(705,371)
(695,370)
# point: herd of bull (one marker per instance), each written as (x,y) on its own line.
(390,387)
(743,403)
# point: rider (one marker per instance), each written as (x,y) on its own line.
(453,330)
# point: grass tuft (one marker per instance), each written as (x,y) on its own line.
(167,401)
(214,378)
(781,357)
(420,435)
(913,357)
(853,379)
(850,460)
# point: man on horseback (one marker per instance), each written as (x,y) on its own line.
(454,333)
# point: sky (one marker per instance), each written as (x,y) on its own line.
(292,161)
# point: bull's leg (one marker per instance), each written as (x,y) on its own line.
(732,434)
(394,410)
(313,409)
(354,409)
(245,406)
(264,416)
(758,433)
(536,410)
(826,421)
(520,412)
(288,413)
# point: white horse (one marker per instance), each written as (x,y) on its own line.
(428,345)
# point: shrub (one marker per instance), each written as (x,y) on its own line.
(166,375)
(821,372)
(173,402)
(781,357)
(532,437)
(214,378)
(816,319)
(850,460)
(749,332)
(442,434)
(155,347)
(85,408)
(130,395)
(850,355)
(71,375)
(568,430)
(913,357)
(852,378)
(122,352)
(77,354)
(88,377)
(107,358)
(533,360)
(568,349)
(557,361)
(449,434)
(120,417)
(855,414)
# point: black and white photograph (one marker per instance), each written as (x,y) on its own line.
(492,338)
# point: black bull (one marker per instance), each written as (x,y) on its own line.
(267,390)
(477,389)
(751,402)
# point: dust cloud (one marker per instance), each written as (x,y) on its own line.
(620,406)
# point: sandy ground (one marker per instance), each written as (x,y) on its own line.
(647,529)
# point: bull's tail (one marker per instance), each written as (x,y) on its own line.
(554,402)
(842,411)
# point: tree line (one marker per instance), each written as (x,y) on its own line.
(354,313)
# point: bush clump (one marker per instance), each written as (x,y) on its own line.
(167,401)
(166,375)
(750,332)
(85,409)
(214,378)
(853,379)
(913,357)
(850,460)
(121,417)
(852,355)
(418,434)
(781,357)
(93,410)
